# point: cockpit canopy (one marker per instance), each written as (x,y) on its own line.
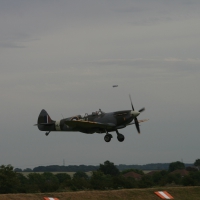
(82,116)
(99,112)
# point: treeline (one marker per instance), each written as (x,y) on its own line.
(70,168)
(87,168)
(148,167)
(106,177)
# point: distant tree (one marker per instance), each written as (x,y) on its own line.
(51,182)
(196,177)
(160,178)
(45,182)
(39,169)
(197,164)
(176,165)
(120,182)
(138,171)
(8,180)
(70,168)
(80,175)
(27,170)
(193,179)
(80,183)
(157,177)
(188,181)
(191,169)
(174,179)
(109,168)
(146,182)
(164,172)
(23,183)
(18,170)
(101,181)
(65,181)
(35,182)
(62,177)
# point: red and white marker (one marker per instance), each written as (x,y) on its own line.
(163,195)
(50,198)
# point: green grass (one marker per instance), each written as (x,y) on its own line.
(70,173)
(179,193)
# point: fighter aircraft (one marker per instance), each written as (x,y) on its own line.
(97,122)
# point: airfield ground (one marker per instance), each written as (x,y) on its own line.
(179,193)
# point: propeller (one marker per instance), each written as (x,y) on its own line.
(135,114)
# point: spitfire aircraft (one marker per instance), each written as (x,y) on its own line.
(97,122)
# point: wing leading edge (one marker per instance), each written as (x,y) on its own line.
(89,124)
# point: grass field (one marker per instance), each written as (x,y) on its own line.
(69,173)
(179,193)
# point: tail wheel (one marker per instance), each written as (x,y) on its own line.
(47,133)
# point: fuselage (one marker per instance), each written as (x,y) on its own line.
(118,119)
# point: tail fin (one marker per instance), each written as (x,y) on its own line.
(45,123)
(44,118)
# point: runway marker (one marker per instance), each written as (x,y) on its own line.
(163,195)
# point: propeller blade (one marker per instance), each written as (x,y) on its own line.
(141,110)
(137,125)
(131,102)
(135,114)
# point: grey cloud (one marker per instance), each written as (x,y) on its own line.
(172,63)
(10,45)
(64,56)
(154,12)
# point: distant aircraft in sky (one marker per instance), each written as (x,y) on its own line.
(115,85)
(97,122)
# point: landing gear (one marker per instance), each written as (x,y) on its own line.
(47,133)
(120,137)
(107,137)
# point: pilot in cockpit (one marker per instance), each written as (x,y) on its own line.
(97,112)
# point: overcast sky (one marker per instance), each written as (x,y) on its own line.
(64,56)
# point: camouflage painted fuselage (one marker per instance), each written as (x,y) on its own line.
(97,122)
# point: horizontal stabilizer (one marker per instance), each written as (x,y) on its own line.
(44,124)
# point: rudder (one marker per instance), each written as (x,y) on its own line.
(45,123)
(44,118)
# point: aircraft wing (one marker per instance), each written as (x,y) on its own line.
(142,120)
(88,124)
